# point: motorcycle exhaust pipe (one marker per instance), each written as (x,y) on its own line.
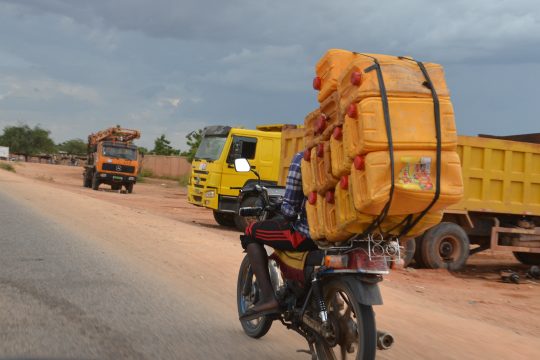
(384,340)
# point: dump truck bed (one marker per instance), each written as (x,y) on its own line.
(500,176)
(292,141)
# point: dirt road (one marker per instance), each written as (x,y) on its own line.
(432,314)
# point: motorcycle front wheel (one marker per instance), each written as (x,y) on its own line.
(247,294)
(354,334)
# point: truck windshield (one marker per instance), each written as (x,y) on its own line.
(120,152)
(210,148)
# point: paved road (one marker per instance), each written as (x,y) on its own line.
(64,297)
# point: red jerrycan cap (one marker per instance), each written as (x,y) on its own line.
(317,83)
(312,197)
(329,196)
(320,150)
(307,155)
(359,162)
(352,111)
(344,182)
(356,78)
(338,133)
(320,124)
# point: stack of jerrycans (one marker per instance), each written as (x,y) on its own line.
(347,166)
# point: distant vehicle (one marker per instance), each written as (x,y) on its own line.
(112,159)
(4,153)
(215,184)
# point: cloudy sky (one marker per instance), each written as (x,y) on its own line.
(166,66)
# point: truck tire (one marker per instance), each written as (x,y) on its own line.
(224,219)
(242,222)
(87,182)
(418,252)
(95,181)
(527,258)
(445,246)
(129,188)
(407,252)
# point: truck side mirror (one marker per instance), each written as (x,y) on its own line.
(241,165)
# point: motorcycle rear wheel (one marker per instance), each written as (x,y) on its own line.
(247,293)
(357,331)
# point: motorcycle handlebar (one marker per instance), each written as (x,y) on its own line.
(250,211)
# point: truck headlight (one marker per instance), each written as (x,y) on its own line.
(103,175)
(210,194)
(131,178)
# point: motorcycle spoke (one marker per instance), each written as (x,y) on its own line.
(343,352)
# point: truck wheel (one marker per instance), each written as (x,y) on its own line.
(418,252)
(95,181)
(407,252)
(445,246)
(87,182)
(242,222)
(224,219)
(129,188)
(527,258)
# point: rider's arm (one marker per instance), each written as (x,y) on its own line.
(294,196)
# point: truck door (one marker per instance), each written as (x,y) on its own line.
(241,147)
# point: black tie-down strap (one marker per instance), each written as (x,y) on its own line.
(409,221)
(384,98)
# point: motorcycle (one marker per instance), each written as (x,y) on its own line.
(326,295)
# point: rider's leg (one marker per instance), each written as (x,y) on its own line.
(259,263)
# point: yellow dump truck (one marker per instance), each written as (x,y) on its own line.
(500,209)
(215,184)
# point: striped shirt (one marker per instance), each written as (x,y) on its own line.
(293,206)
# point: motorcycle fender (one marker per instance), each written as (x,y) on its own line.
(365,293)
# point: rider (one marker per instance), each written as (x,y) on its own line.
(289,233)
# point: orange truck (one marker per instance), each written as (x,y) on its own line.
(112,159)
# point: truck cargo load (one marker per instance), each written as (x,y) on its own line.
(112,159)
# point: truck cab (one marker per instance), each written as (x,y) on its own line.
(112,159)
(215,184)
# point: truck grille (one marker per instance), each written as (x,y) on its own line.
(118,168)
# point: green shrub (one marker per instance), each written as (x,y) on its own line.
(146,173)
(184,180)
(7,167)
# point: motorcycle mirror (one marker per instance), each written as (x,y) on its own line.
(241,165)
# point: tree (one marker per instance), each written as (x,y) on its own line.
(162,146)
(73,147)
(193,141)
(26,141)
(142,150)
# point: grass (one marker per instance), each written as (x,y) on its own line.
(184,180)
(7,167)
(44,178)
(145,173)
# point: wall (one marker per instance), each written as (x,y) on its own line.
(170,166)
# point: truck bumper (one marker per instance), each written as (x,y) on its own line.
(107,178)
(202,196)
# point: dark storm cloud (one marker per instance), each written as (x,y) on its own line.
(172,66)
(453,30)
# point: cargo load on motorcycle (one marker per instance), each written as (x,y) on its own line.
(381,149)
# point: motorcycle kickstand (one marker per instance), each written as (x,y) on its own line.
(311,351)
